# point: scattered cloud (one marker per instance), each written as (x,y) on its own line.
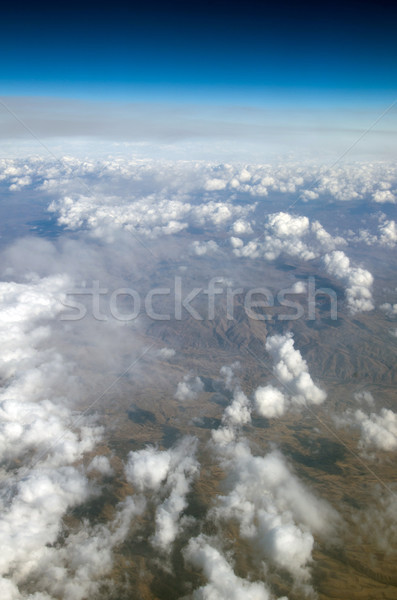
(223,583)
(168,475)
(358,281)
(189,388)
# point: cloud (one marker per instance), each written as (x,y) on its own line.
(166,353)
(285,233)
(168,473)
(189,388)
(358,281)
(223,583)
(383,196)
(102,465)
(241,227)
(37,431)
(291,370)
(273,509)
(388,233)
(377,430)
(270,402)
(202,248)
(390,310)
(276,513)
(228,374)
(366,397)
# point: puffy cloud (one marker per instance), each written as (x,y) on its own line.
(228,374)
(358,281)
(270,402)
(167,473)
(390,310)
(382,196)
(189,388)
(285,233)
(223,583)
(76,569)
(299,287)
(148,468)
(241,227)
(360,181)
(236,414)
(102,465)
(376,430)
(291,370)
(274,510)
(366,397)
(42,444)
(201,248)
(166,353)
(388,233)
(379,430)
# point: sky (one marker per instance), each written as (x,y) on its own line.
(207,51)
(228,80)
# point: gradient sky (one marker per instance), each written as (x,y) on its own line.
(200,79)
(202,50)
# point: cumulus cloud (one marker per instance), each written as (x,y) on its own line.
(270,402)
(291,370)
(168,473)
(228,374)
(390,310)
(202,248)
(299,287)
(189,388)
(365,397)
(38,431)
(377,430)
(385,236)
(358,281)
(223,583)
(102,465)
(285,233)
(382,196)
(388,233)
(166,353)
(273,509)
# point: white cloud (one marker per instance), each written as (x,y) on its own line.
(202,248)
(390,310)
(388,233)
(223,583)
(270,402)
(383,196)
(274,510)
(358,281)
(189,388)
(167,473)
(166,353)
(292,370)
(377,430)
(102,465)
(241,227)
(285,233)
(366,397)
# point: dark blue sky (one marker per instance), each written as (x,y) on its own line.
(202,49)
